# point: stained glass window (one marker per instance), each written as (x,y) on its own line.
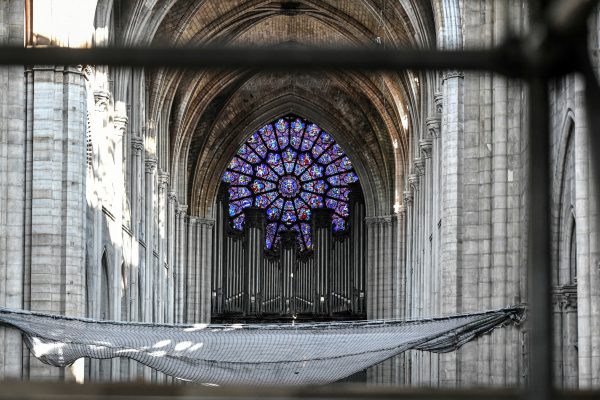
(288,167)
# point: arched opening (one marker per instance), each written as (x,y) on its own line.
(290,228)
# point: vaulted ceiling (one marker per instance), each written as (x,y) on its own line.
(210,113)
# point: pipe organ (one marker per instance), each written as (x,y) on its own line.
(325,282)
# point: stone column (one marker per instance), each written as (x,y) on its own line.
(190,271)
(147,306)
(322,245)
(254,236)
(162,237)
(137,145)
(172,241)
(180,275)
(14,146)
(452,131)
(205,247)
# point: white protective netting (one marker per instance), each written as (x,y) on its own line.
(283,354)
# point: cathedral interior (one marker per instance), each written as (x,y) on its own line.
(279,196)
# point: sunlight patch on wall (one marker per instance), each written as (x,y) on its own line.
(64,23)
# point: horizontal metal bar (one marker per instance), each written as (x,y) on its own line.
(56,390)
(496,60)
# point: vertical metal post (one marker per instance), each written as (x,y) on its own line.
(539,279)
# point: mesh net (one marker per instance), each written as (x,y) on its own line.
(306,353)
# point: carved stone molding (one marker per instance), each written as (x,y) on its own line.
(419,164)
(437,99)
(101,99)
(564,298)
(408,197)
(413,181)
(163,180)
(434,126)
(171,197)
(120,123)
(151,163)
(452,73)
(88,71)
(381,220)
(205,221)
(137,143)
(425,145)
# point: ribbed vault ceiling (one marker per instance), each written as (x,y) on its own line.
(210,113)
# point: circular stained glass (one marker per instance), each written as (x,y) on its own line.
(289,167)
(289,186)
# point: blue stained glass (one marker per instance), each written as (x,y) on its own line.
(235,178)
(274,211)
(247,154)
(259,186)
(289,214)
(340,165)
(331,203)
(271,230)
(342,209)
(235,207)
(316,186)
(263,200)
(238,222)
(268,136)
(274,160)
(283,137)
(306,234)
(264,171)
(297,133)
(302,209)
(339,224)
(289,156)
(325,158)
(288,184)
(237,192)
(324,141)
(314,172)
(339,193)
(240,165)
(310,135)
(313,200)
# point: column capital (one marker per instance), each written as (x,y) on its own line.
(452,73)
(381,220)
(425,145)
(101,99)
(413,181)
(408,196)
(172,196)
(438,102)
(120,123)
(434,125)
(137,143)
(206,221)
(163,179)
(151,163)
(182,208)
(419,164)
